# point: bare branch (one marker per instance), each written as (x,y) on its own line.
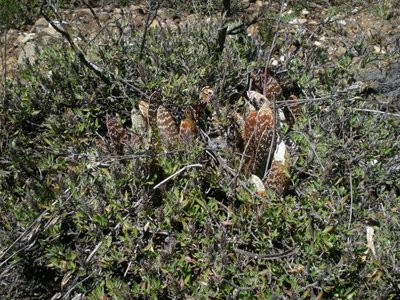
(266,256)
(378,112)
(106,76)
(175,174)
(153,8)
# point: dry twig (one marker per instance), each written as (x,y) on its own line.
(176,173)
(266,256)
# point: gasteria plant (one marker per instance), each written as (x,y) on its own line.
(87,211)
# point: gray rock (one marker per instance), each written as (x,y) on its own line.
(25,37)
(49,31)
(27,54)
(41,23)
(103,16)
(382,81)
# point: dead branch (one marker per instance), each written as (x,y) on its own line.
(106,76)
(153,7)
(175,174)
(266,256)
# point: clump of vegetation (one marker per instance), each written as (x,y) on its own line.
(81,218)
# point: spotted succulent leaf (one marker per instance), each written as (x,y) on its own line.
(166,127)
(117,133)
(258,139)
(278,177)
(188,128)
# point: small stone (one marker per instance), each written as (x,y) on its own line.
(137,21)
(25,37)
(41,22)
(253,30)
(379,49)
(259,3)
(28,53)
(298,21)
(313,22)
(110,7)
(137,9)
(49,31)
(274,62)
(103,16)
(341,22)
(318,44)
(82,13)
(340,51)
(305,12)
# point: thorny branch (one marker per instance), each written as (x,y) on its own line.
(106,76)
(153,8)
(243,26)
(65,32)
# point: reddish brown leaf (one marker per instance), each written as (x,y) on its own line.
(258,138)
(188,128)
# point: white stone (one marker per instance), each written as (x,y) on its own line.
(305,12)
(373,162)
(274,62)
(26,37)
(298,21)
(318,44)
